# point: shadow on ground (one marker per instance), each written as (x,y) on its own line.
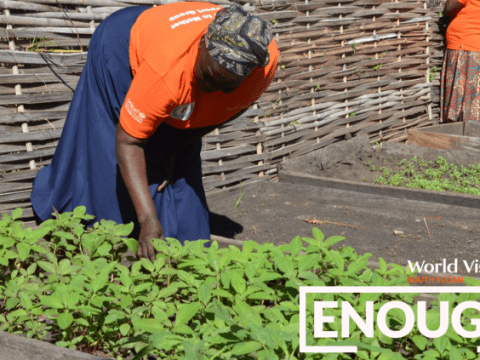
(221,225)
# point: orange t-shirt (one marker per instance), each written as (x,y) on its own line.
(163,50)
(463,33)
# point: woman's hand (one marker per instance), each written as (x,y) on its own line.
(149,229)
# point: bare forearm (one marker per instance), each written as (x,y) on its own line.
(131,161)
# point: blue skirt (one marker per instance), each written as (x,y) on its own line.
(84,168)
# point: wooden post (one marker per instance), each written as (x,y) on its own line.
(18,91)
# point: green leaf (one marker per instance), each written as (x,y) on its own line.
(250,271)
(147,325)
(213,259)
(124,329)
(318,235)
(124,229)
(48,267)
(237,282)
(222,312)
(64,320)
(132,244)
(31,269)
(38,249)
(25,301)
(168,291)
(441,344)
(225,278)
(183,329)
(420,342)
(205,293)
(194,351)
(222,293)
(186,313)
(99,282)
(110,318)
(79,211)
(332,240)
(104,249)
(383,264)
(82,322)
(455,354)
(125,301)
(263,335)
(51,301)
(37,234)
(64,267)
(296,246)
(247,347)
(338,260)
(23,251)
(247,314)
(147,264)
(17,213)
(285,265)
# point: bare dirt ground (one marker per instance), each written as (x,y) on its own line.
(397,230)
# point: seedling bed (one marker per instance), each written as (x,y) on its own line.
(357,166)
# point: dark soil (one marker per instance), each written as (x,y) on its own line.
(396,229)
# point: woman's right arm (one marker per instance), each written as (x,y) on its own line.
(131,161)
(452,7)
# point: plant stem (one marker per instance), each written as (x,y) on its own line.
(218,353)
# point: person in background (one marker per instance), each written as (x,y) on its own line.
(156,80)
(460,81)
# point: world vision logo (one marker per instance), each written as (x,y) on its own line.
(134,112)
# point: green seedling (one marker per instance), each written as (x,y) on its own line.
(432,175)
(239,199)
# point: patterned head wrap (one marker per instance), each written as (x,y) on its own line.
(238,41)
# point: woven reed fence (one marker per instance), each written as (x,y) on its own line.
(347,67)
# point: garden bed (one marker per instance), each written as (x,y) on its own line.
(393,227)
(392,169)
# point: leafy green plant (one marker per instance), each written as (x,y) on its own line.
(192,302)
(273,21)
(437,176)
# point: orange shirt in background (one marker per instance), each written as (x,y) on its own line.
(463,33)
(163,50)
